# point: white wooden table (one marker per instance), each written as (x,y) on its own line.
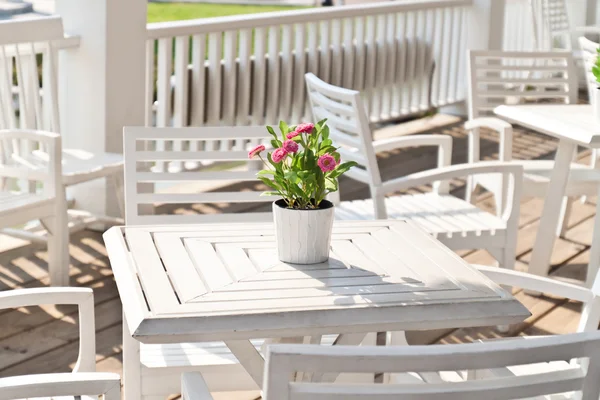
(224,282)
(573,125)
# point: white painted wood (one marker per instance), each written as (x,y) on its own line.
(104,384)
(351,46)
(83,380)
(112,50)
(303,236)
(431,284)
(47,205)
(498,77)
(134,175)
(455,222)
(37,106)
(285,360)
(572,125)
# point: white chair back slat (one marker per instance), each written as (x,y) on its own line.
(589,52)
(285,360)
(146,184)
(500,77)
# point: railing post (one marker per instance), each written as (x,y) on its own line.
(591,12)
(485,32)
(101,84)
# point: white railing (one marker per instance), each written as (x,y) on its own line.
(519,26)
(249,69)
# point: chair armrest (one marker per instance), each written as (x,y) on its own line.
(62,384)
(444,142)
(82,297)
(38,296)
(193,387)
(536,283)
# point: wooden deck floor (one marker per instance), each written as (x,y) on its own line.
(44,339)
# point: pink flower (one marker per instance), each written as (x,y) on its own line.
(290,146)
(305,128)
(278,155)
(292,135)
(301,128)
(256,151)
(327,163)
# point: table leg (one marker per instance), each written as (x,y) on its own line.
(546,234)
(251,359)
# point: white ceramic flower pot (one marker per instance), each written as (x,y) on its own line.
(596,104)
(303,236)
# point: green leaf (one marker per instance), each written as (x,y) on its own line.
(270,183)
(276,143)
(272,132)
(283,127)
(265,172)
(270,194)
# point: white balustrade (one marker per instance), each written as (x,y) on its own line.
(249,69)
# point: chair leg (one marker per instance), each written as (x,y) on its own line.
(565,215)
(117,181)
(132,367)
(58,243)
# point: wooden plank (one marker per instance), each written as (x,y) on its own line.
(152,275)
(208,264)
(180,268)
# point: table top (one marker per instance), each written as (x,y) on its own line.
(225,281)
(575,122)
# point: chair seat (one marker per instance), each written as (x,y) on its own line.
(440,215)
(80,166)
(18,208)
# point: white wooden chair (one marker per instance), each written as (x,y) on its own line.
(83,380)
(580,380)
(498,77)
(455,222)
(22,44)
(46,204)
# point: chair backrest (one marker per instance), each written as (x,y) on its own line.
(31,156)
(552,20)
(151,174)
(348,126)
(516,77)
(284,360)
(589,52)
(24,45)
(53,386)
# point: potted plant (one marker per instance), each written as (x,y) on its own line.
(303,168)
(595,101)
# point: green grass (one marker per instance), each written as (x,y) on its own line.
(159,12)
